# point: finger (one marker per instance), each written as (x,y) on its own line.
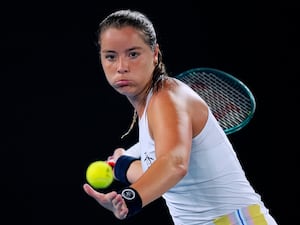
(120,207)
(123,214)
(88,189)
(93,193)
(121,210)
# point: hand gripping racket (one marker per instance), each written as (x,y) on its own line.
(230,100)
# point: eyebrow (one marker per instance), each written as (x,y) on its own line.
(134,48)
(127,50)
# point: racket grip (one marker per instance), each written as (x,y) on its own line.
(111,163)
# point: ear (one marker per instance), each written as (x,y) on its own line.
(156,51)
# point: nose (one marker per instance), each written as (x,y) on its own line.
(122,65)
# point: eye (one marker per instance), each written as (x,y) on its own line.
(110,57)
(133,54)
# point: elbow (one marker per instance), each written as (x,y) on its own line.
(181,170)
(179,167)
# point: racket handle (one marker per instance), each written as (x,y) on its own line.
(111,163)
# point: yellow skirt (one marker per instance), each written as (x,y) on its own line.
(250,215)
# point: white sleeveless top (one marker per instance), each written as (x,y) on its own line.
(215,184)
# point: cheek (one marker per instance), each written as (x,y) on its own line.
(107,67)
(107,73)
(107,76)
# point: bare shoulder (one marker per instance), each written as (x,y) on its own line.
(176,92)
(168,93)
(177,99)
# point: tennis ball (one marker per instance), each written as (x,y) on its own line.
(99,174)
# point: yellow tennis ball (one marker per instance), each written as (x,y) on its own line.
(99,174)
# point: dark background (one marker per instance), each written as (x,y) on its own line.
(59,114)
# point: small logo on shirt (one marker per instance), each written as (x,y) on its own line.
(148,160)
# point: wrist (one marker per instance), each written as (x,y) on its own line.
(121,167)
(132,199)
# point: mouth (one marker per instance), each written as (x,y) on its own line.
(121,83)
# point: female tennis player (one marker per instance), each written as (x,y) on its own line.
(182,154)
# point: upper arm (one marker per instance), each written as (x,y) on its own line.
(170,125)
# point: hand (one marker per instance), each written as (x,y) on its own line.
(117,153)
(111,201)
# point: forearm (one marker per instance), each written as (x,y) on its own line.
(128,169)
(134,171)
(143,188)
(158,179)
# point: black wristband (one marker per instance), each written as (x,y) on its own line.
(132,199)
(121,168)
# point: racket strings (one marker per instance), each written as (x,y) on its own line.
(229,102)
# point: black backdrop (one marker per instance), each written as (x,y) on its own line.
(59,113)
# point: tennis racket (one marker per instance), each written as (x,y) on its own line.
(230,100)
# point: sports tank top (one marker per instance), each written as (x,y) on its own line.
(215,183)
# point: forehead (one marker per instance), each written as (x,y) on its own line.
(126,36)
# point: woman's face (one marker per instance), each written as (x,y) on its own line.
(127,61)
